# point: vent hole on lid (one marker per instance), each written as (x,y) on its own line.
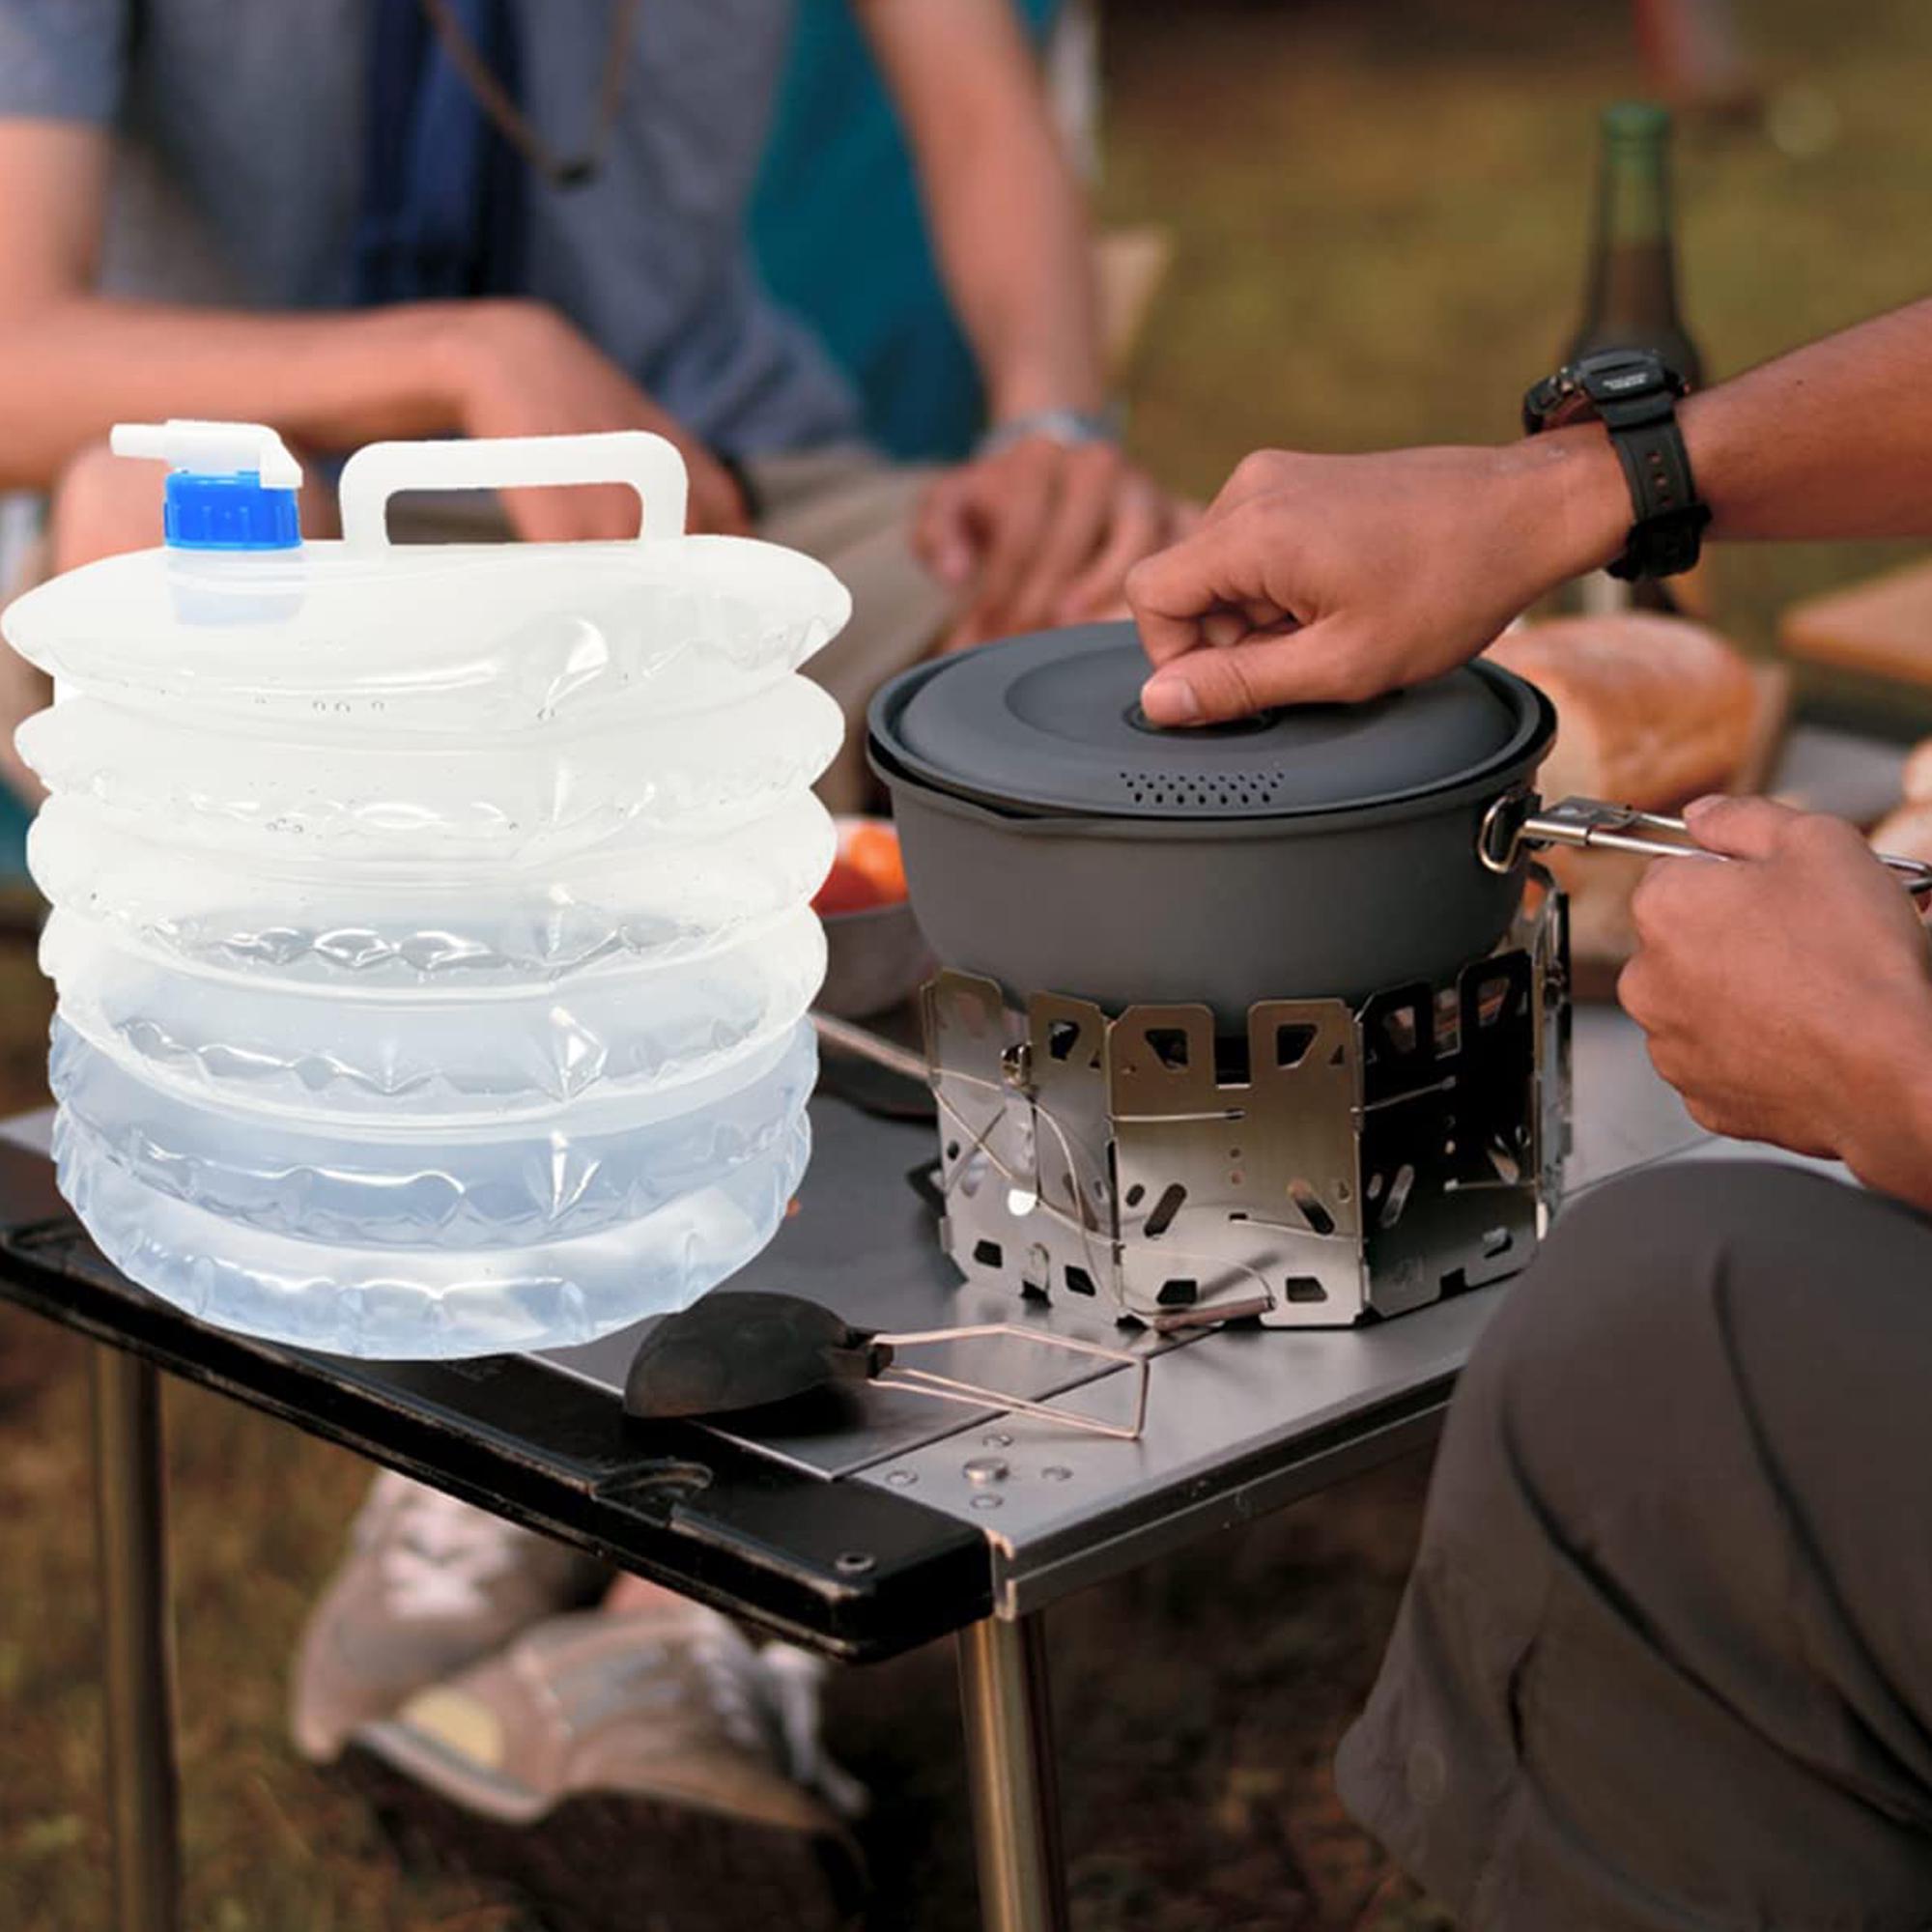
(1303,1287)
(1190,791)
(1061,1036)
(989,1254)
(1078,1280)
(1178,1292)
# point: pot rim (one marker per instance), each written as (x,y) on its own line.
(889,758)
(1515,761)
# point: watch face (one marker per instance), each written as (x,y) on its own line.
(1611,361)
(1575,393)
(1617,375)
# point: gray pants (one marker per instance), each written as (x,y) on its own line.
(1665,1661)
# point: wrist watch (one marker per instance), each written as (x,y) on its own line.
(1069,427)
(1634,393)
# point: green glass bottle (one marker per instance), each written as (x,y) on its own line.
(1632,300)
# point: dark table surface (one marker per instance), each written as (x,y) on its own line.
(851,1522)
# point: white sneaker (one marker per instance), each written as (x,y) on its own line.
(430,1584)
(647,1766)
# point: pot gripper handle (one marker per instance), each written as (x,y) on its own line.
(1517,822)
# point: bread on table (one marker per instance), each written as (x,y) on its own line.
(1907,833)
(1651,711)
(1906,830)
(1917,776)
(1599,886)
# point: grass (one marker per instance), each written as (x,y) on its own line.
(1380,209)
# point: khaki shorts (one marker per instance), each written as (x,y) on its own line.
(853,511)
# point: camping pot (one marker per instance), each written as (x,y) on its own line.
(1056,840)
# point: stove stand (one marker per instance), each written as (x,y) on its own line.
(1336,1163)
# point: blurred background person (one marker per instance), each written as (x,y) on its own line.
(1693,53)
(1661,1662)
(369,218)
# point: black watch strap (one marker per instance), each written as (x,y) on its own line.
(1634,394)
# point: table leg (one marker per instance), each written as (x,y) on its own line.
(1010,1764)
(137,1661)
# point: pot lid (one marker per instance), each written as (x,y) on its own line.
(1051,722)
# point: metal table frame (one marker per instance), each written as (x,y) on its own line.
(850,1566)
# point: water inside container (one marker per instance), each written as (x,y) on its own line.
(431,927)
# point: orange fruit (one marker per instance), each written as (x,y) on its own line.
(846,889)
(874,846)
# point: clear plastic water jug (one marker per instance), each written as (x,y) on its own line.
(431,923)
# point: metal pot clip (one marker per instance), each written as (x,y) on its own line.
(1515,824)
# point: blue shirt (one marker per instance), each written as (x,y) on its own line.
(236,178)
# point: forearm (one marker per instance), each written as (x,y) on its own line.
(1005,209)
(72,366)
(1832,440)
(1013,243)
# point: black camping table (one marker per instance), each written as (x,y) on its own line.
(859,1524)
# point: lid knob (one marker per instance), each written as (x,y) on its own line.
(231,486)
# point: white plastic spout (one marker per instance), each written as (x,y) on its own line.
(211,449)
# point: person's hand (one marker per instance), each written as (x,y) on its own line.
(1038,534)
(1334,578)
(1788,995)
(522,370)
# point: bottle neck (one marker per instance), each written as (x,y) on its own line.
(1632,300)
(1634,187)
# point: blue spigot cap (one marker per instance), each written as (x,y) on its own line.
(233,512)
(231,486)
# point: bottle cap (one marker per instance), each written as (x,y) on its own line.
(1636,121)
(231,486)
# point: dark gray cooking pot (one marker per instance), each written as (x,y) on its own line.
(1056,842)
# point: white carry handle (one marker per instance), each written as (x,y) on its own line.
(649,463)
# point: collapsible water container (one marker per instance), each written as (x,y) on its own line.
(430,922)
